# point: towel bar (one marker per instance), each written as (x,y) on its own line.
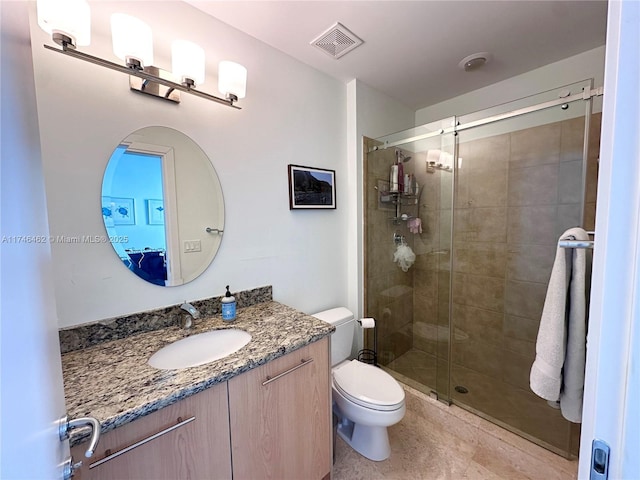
(575,243)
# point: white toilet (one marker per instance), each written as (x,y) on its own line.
(366,399)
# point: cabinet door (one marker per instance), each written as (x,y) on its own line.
(193,449)
(281,417)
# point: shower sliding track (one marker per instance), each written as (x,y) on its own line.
(585,95)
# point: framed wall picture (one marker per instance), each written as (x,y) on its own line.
(120,211)
(311,188)
(155,212)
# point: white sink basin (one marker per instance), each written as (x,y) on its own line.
(199,349)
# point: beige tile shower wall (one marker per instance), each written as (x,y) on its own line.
(425,295)
(516,194)
(389,290)
(480,253)
(432,248)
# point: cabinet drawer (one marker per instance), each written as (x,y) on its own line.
(186,440)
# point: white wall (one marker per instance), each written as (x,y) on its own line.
(371,114)
(292,114)
(589,64)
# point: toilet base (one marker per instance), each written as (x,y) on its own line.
(369,441)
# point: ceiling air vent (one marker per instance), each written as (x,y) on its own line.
(337,41)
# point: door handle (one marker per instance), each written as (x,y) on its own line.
(66,425)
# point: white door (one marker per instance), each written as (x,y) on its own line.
(612,386)
(31,395)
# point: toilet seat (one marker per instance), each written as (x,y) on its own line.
(368,386)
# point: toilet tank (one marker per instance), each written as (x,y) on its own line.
(342,338)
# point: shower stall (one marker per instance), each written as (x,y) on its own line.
(480,201)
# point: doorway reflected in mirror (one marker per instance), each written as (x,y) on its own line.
(160,193)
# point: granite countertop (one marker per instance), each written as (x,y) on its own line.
(113,382)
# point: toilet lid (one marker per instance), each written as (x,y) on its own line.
(368,386)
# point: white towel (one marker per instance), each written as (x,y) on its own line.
(557,374)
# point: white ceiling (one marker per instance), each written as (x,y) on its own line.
(412,49)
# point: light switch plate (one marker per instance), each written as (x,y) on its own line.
(191,246)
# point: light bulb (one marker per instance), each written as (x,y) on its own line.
(187,61)
(132,40)
(232,79)
(71,18)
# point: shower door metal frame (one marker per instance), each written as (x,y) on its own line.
(585,95)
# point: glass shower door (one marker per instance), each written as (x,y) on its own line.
(408,229)
(481,220)
(519,187)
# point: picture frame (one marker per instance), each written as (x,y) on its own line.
(155,211)
(118,211)
(311,188)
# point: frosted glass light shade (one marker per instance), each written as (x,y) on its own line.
(70,17)
(187,60)
(132,39)
(232,79)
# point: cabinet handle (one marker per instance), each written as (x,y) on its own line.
(142,442)
(280,375)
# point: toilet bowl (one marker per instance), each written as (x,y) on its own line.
(366,399)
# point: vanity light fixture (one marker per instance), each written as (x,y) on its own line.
(68,23)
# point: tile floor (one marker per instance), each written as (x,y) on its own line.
(435,441)
(496,398)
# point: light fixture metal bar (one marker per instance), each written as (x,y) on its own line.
(140,74)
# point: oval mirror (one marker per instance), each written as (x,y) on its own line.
(162,206)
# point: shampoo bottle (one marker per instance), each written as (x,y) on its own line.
(228,306)
(393,179)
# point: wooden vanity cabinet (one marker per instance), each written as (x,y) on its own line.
(274,419)
(197,449)
(280,416)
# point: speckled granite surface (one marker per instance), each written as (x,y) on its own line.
(113,382)
(83,336)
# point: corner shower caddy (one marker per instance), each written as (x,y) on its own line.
(399,199)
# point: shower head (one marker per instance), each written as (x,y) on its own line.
(401,157)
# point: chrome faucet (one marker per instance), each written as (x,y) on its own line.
(187,320)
